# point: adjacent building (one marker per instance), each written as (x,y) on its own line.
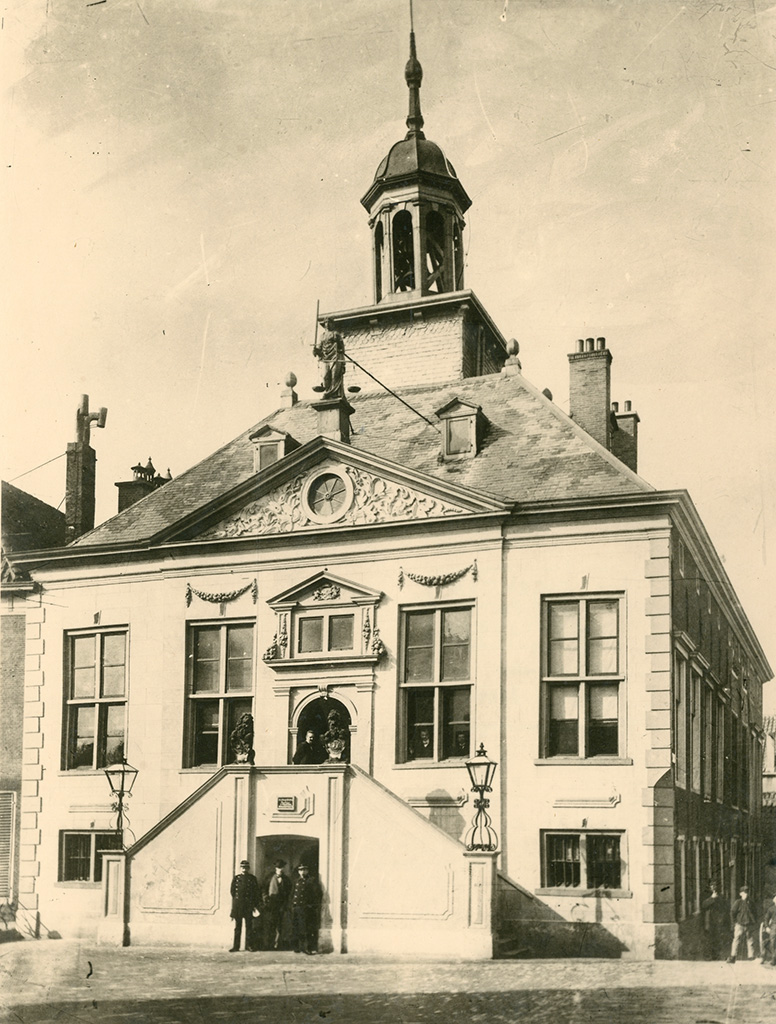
(432,550)
(26,523)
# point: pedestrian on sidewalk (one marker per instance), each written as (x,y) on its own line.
(246,898)
(743,919)
(305,912)
(770,929)
(715,930)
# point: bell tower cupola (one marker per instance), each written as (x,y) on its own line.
(416,206)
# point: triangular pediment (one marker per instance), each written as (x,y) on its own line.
(325,588)
(327,485)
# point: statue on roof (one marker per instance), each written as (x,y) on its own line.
(330,350)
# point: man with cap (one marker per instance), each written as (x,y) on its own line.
(305,911)
(277,889)
(246,897)
(743,919)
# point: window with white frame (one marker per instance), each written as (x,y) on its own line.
(582,860)
(95,699)
(80,854)
(220,689)
(582,677)
(435,683)
(323,632)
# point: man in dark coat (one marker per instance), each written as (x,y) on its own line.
(246,897)
(305,912)
(308,752)
(743,919)
(276,894)
(715,931)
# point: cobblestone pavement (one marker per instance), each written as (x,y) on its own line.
(73,983)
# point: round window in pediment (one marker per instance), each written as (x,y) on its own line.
(328,496)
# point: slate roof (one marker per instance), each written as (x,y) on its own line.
(531,451)
(28,522)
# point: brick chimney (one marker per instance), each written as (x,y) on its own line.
(590,388)
(625,435)
(81,472)
(144,480)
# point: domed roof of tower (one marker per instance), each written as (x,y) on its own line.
(415,155)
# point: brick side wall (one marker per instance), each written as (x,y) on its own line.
(731,695)
(12,636)
(424,347)
(404,354)
(12,640)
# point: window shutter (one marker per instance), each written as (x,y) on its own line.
(7,817)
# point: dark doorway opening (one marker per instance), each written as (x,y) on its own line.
(274,928)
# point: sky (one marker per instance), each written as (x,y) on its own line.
(182,186)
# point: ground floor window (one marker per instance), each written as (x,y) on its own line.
(589,860)
(80,853)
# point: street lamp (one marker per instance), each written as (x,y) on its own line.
(481,771)
(121,778)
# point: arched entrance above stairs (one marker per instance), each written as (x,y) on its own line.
(314,716)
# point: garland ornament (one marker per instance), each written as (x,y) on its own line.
(440,580)
(224,596)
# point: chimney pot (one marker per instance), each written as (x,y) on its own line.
(616,406)
(627,407)
(600,343)
(580,345)
(589,344)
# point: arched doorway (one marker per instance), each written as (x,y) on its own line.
(315,718)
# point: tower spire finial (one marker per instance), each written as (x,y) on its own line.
(413,74)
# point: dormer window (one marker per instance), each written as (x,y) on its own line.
(459,436)
(268,454)
(462,428)
(269,447)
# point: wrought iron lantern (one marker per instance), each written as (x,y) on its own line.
(481,771)
(121,778)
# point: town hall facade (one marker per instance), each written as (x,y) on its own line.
(434,550)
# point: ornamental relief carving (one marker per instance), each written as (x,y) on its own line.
(374,501)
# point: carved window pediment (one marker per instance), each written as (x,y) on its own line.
(324,619)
